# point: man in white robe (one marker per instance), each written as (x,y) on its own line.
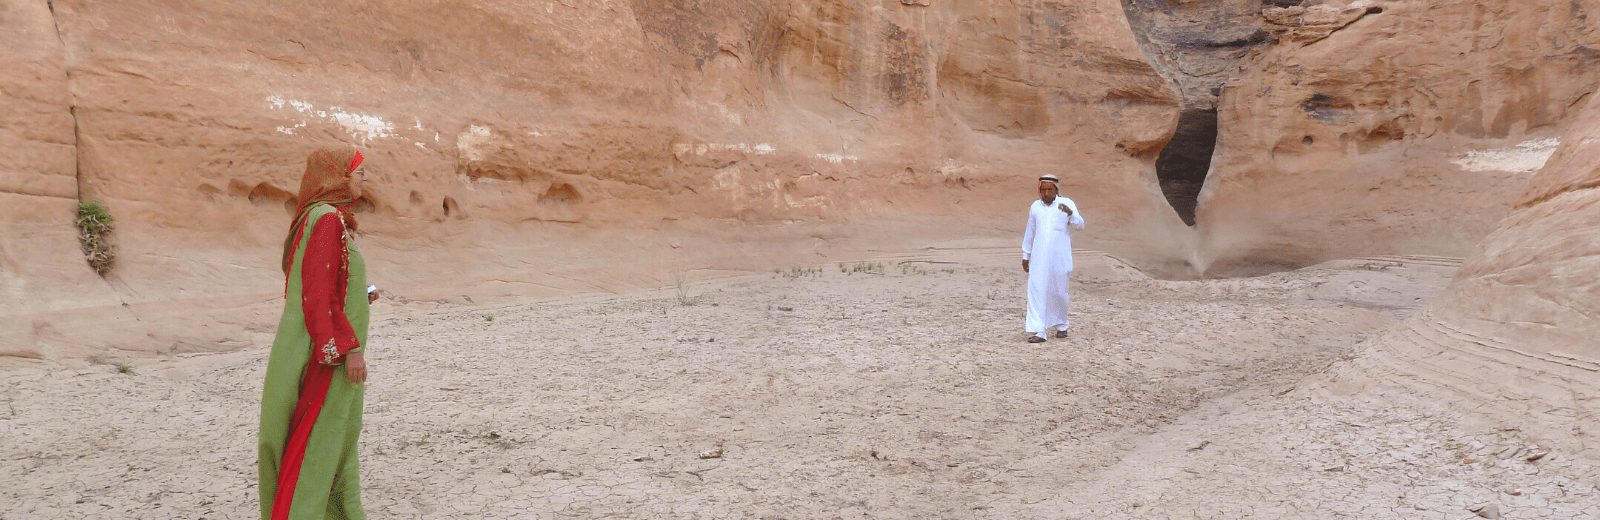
(1047,258)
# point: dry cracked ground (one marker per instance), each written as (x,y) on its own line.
(895,389)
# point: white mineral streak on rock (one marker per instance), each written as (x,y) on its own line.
(1526,157)
(837,158)
(731,181)
(471,142)
(704,148)
(365,127)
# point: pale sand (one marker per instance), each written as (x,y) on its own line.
(908,394)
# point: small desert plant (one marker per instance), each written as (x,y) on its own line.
(94,228)
(683,289)
(489,317)
(867,267)
(796,272)
(494,439)
(125,368)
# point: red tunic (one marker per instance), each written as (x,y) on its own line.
(324,278)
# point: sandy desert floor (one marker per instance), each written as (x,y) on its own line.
(819,393)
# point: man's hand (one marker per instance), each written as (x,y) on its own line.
(1064,209)
(355,367)
(1024,265)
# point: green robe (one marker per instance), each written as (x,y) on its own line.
(330,483)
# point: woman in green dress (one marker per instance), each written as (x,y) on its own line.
(311,403)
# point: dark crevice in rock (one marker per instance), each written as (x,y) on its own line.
(1183,163)
(72,107)
(77,152)
(1195,46)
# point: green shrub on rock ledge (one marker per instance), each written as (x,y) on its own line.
(94,226)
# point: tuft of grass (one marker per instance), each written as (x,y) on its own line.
(496,440)
(126,369)
(866,268)
(796,272)
(683,289)
(488,317)
(94,230)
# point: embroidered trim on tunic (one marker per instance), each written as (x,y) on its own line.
(330,353)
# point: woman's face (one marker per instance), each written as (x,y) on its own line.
(356,178)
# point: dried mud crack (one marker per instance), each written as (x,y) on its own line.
(904,395)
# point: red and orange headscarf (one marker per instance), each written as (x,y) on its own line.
(327,179)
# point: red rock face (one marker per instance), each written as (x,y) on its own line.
(1389,127)
(531,148)
(1517,326)
(41,267)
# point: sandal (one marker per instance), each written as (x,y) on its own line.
(1035,339)
(1061,334)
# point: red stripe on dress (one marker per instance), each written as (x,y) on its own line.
(313,391)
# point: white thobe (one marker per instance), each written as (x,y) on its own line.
(1047,246)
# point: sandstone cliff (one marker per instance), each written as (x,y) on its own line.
(551,147)
(528,148)
(1516,329)
(1389,127)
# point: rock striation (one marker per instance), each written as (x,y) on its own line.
(1388,127)
(1516,327)
(560,146)
(548,147)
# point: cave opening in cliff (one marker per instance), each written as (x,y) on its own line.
(1181,167)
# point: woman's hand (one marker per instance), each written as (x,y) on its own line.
(355,367)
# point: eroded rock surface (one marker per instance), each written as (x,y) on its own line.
(534,149)
(1516,327)
(528,148)
(1389,127)
(1198,44)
